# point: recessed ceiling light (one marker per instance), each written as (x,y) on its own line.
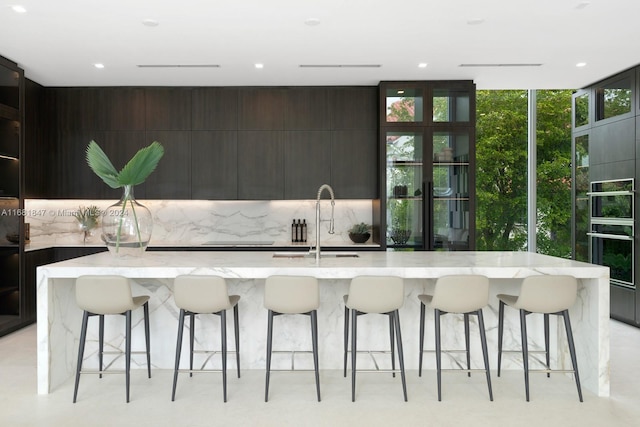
(422,65)
(475,21)
(312,22)
(98,65)
(581,64)
(19,9)
(259,65)
(582,5)
(150,23)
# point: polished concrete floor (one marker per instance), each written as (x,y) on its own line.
(292,399)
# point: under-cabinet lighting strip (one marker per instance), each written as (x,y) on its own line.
(2,156)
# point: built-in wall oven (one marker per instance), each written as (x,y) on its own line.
(612,230)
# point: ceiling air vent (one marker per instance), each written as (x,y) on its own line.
(340,66)
(500,65)
(178,66)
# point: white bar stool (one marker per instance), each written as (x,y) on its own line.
(374,294)
(546,294)
(461,294)
(292,295)
(195,295)
(101,295)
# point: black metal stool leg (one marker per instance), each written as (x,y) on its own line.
(572,350)
(178,351)
(269,340)
(546,342)
(192,335)
(314,340)
(422,315)
(83,338)
(147,337)
(525,351)
(236,330)
(346,339)
(396,318)
(436,319)
(500,332)
(128,351)
(100,343)
(485,353)
(354,349)
(467,341)
(223,339)
(393,359)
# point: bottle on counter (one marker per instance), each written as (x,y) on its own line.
(304,231)
(293,231)
(298,232)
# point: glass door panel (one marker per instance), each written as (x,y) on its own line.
(450,220)
(451,105)
(405,202)
(404,105)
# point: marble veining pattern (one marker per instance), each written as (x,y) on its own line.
(246,271)
(195,222)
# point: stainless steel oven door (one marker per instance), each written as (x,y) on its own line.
(612,246)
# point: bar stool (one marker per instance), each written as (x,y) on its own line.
(546,294)
(195,295)
(374,294)
(101,295)
(461,294)
(292,295)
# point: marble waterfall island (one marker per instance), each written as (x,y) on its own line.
(59,318)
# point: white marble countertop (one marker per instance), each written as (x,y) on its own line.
(261,264)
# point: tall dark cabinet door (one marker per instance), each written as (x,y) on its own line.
(74,178)
(354,154)
(214,108)
(168,109)
(307,163)
(214,165)
(261,109)
(172,177)
(260,165)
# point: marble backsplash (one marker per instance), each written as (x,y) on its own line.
(197,222)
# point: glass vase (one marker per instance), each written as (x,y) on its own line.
(127,225)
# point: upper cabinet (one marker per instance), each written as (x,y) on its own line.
(226,143)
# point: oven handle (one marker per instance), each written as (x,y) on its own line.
(610,236)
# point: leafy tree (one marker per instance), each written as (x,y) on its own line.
(501,179)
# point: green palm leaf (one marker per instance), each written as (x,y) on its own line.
(133,173)
(101,165)
(141,165)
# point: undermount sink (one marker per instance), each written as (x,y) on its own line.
(312,255)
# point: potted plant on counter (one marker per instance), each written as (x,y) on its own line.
(126,225)
(87,220)
(359,233)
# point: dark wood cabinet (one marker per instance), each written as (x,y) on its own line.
(205,156)
(260,165)
(307,109)
(168,109)
(307,163)
(172,177)
(261,108)
(214,165)
(353,154)
(123,108)
(214,109)
(354,107)
(16,305)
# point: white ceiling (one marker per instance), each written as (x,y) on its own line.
(58,41)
